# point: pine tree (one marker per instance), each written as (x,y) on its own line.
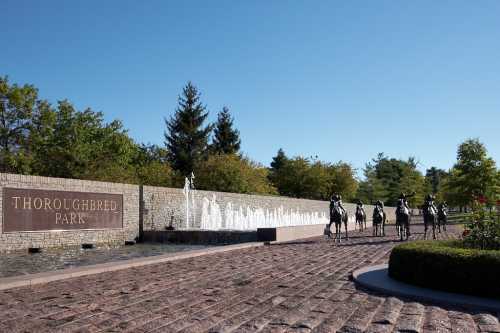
(226,139)
(279,160)
(277,165)
(433,178)
(186,137)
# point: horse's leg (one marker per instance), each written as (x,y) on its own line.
(434,228)
(444,223)
(330,229)
(425,228)
(345,226)
(408,234)
(401,230)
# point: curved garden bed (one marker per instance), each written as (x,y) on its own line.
(447,266)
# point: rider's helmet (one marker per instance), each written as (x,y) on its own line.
(360,203)
(402,195)
(429,197)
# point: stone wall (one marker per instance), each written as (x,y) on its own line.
(165,206)
(23,240)
(162,207)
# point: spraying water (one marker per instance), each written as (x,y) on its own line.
(215,217)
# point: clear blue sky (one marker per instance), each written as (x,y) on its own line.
(343,80)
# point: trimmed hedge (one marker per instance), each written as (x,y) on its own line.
(447,266)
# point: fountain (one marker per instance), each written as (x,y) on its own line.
(231,217)
(190,202)
(214,217)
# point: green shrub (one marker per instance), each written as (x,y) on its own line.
(483,231)
(447,266)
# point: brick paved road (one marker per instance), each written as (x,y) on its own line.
(296,287)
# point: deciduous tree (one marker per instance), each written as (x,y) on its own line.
(232,173)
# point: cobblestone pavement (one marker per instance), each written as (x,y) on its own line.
(296,287)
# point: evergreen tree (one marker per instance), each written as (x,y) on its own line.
(433,178)
(279,160)
(277,165)
(226,139)
(186,137)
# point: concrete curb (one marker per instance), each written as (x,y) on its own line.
(45,277)
(377,278)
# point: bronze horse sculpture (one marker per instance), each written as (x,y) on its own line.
(442,218)
(430,215)
(338,215)
(360,216)
(403,218)
(379,219)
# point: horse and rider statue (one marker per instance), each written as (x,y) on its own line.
(430,215)
(433,216)
(442,215)
(403,216)
(338,216)
(379,218)
(360,216)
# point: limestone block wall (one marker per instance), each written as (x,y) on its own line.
(165,206)
(22,240)
(161,207)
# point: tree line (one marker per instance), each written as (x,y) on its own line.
(474,176)
(39,138)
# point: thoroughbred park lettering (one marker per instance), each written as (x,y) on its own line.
(38,210)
